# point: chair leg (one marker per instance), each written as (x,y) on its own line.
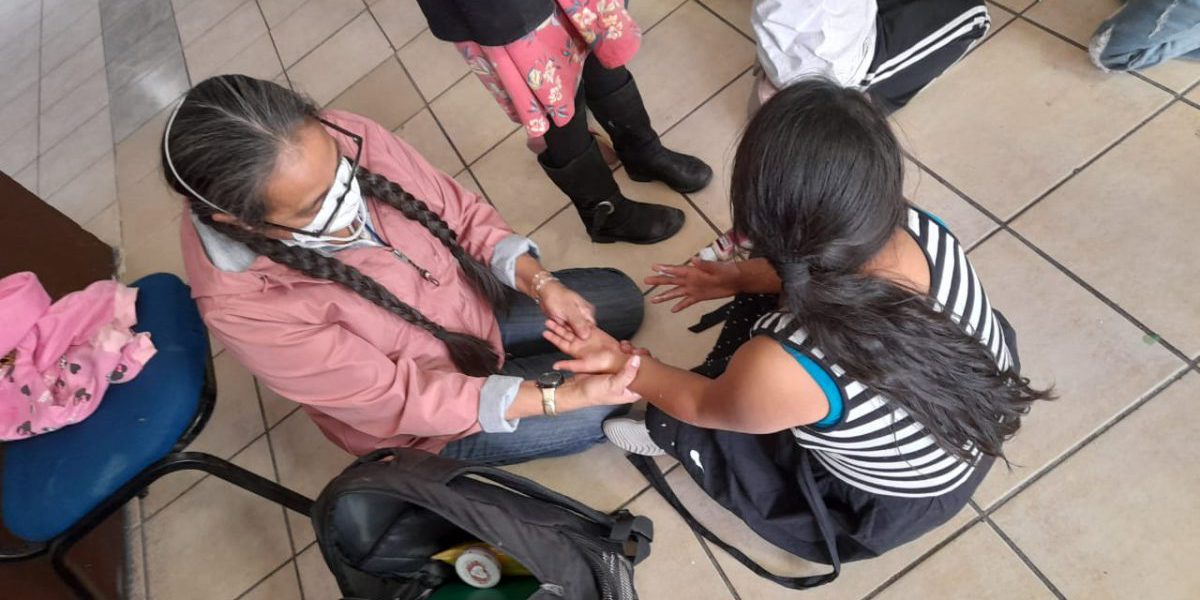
(240,477)
(58,558)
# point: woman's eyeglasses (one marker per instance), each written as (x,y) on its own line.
(349,183)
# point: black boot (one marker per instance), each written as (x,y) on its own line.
(624,117)
(607,215)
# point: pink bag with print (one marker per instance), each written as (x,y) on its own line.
(56,361)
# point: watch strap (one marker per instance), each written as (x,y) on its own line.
(548,397)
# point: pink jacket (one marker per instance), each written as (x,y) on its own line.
(367,378)
(59,360)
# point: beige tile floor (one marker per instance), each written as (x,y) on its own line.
(1075,189)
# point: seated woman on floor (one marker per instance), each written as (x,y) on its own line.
(352,277)
(869,375)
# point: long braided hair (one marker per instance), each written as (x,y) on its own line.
(223,144)
(817,187)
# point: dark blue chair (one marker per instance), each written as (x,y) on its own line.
(57,487)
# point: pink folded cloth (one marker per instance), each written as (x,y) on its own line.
(59,359)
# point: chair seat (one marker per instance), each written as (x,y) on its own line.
(52,480)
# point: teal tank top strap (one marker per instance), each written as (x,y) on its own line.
(833,393)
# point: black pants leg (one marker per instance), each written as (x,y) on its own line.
(566,143)
(916,41)
(602,81)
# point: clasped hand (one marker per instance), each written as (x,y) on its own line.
(566,307)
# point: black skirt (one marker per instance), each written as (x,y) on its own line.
(756,477)
(485,22)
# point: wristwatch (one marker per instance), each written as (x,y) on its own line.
(549,382)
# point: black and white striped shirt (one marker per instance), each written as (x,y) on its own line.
(875,445)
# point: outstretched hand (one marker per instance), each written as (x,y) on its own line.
(694,282)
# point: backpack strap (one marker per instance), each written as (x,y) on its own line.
(634,534)
(654,475)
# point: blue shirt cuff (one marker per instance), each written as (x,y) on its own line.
(498,393)
(505,255)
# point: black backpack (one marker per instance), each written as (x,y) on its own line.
(380,521)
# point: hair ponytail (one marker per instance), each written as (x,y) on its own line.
(223,140)
(896,342)
(817,187)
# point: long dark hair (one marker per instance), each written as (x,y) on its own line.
(224,142)
(817,188)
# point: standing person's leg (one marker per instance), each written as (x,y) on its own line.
(615,101)
(1144,33)
(916,41)
(573,161)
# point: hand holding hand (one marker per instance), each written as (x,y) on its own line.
(599,353)
(566,307)
(697,281)
(606,390)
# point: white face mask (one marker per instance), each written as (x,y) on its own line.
(350,215)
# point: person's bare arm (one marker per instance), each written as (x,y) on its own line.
(763,390)
(757,276)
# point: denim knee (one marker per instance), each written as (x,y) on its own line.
(620,307)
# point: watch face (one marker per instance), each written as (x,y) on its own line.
(552,379)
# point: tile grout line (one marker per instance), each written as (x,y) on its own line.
(37,158)
(1138,74)
(326,38)
(275,47)
(704,4)
(262,411)
(1089,162)
(145,554)
(218,22)
(266,431)
(553,215)
(203,477)
(264,578)
(912,566)
(1045,470)
(60,34)
(367,5)
(712,559)
(664,17)
(428,105)
(1053,262)
(140,77)
(1158,339)
(1024,558)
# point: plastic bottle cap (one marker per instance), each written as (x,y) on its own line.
(478,568)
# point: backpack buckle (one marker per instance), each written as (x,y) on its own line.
(634,534)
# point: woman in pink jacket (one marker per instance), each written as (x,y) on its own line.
(352,277)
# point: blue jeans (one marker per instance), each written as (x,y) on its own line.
(1146,32)
(619,312)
